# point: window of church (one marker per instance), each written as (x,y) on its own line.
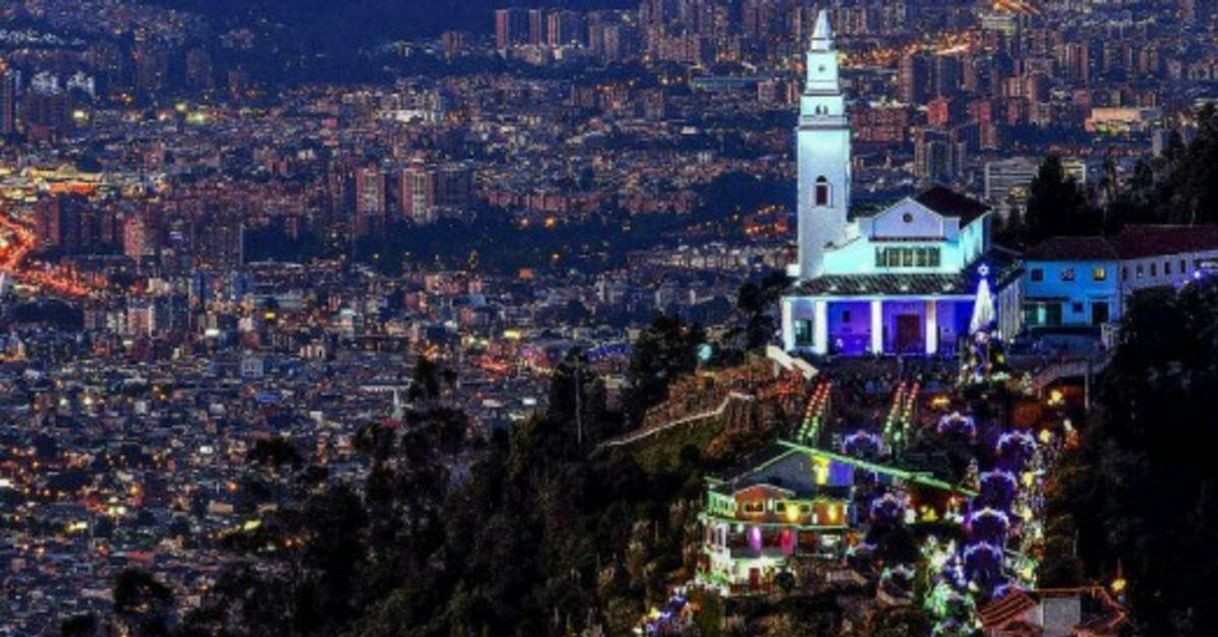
(822,191)
(921,257)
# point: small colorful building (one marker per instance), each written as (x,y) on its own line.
(795,512)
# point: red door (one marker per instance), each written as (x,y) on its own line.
(909,334)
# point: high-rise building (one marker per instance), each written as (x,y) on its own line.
(67,223)
(200,74)
(136,237)
(219,243)
(370,202)
(537,27)
(938,156)
(564,27)
(511,27)
(425,193)
(913,78)
(46,113)
(151,67)
(9,88)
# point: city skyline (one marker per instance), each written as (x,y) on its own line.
(657,317)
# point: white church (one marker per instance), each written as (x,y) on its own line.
(900,281)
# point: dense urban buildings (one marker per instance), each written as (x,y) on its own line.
(715,317)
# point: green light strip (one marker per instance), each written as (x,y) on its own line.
(918,477)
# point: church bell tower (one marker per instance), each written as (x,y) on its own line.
(823,147)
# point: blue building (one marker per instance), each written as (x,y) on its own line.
(1087,281)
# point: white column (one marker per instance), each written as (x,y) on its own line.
(932,327)
(877,326)
(788,325)
(820,327)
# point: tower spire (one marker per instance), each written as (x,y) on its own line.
(822,35)
(823,146)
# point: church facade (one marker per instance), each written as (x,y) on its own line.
(900,281)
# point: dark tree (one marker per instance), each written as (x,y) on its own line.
(1144,494)
(1057,204)
(758,301)
(577,410)
(78,626)
(274,452)
(142,603)
(665,351)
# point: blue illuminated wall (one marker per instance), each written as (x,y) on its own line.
(849,327)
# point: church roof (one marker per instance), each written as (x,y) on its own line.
(1004,268)
(950,203)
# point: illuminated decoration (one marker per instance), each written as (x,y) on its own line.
(814,414)
(988,523)
(998,488)
(957,424)
(983,564)
(821,466)
(863,444)
(887,508)
(755,538)
(984,315)
(1017,442)
(914,477)
(786,540)
(901,415)
(984,360)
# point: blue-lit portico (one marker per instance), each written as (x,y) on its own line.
(891,314)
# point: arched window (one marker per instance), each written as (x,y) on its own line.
(822,197)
